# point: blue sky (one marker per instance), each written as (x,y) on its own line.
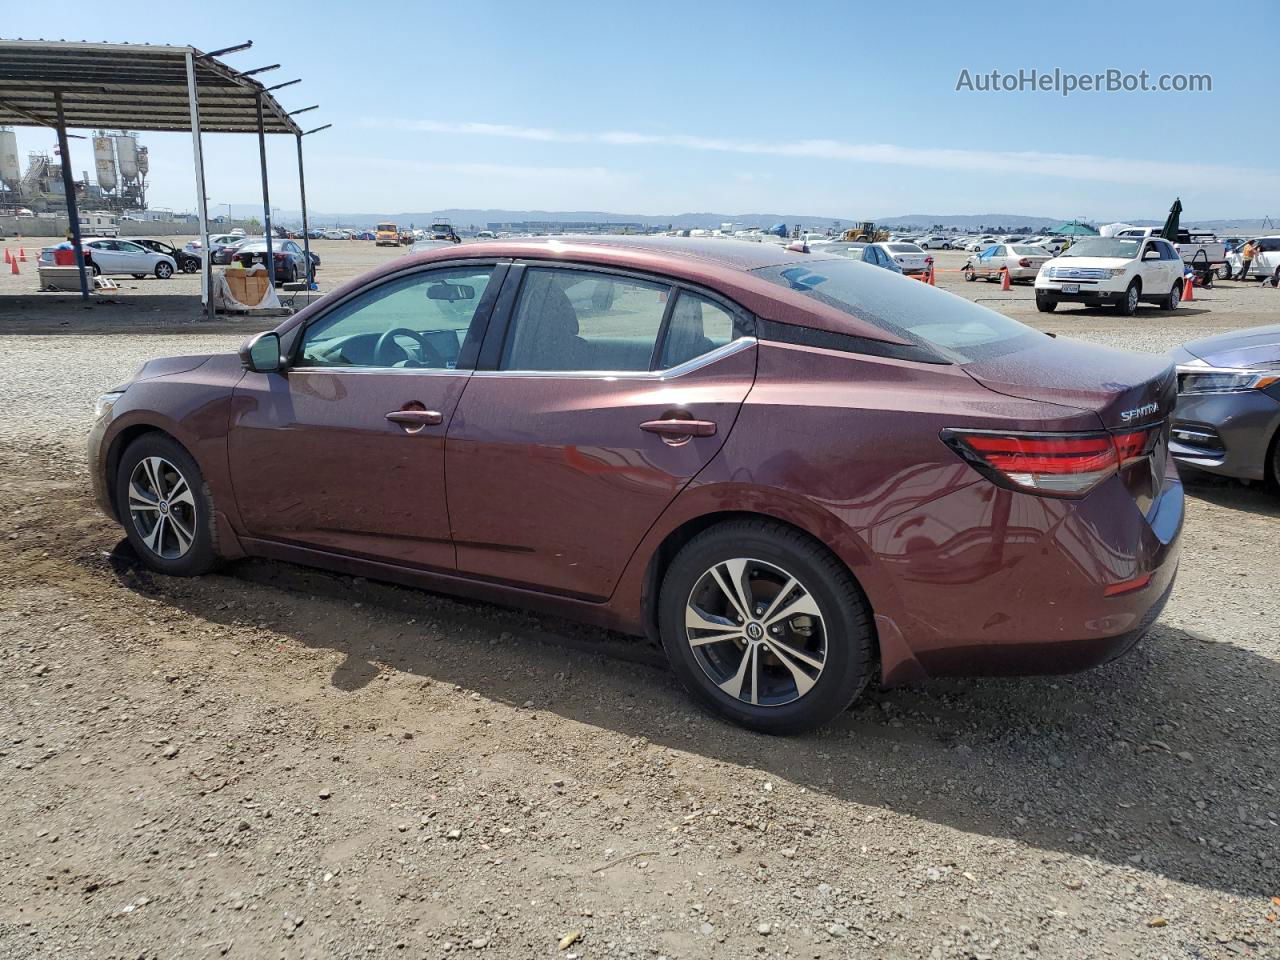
(835,109)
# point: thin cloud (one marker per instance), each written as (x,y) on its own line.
(1075,166)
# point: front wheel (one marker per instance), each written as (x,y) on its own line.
(164,270)
(766,626)
(166,507)
(969,275)
(1129,305)
(1046,304)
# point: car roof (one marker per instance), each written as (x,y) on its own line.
(723,265)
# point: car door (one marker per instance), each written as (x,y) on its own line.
(600,396)
(106,255)
(344,451)
(1152,271)
(134,258)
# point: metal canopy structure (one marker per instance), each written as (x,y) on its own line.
(144,87)
(130,86)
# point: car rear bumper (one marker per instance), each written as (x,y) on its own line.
(1225,433)
(989,582)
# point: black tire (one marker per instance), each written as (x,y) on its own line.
(843,626)
(195,517)
(1046,304)
(97,270)
(190,265)
(1129,305)
(1174,298)
(163,270)
(969,275)
(291,273)
(139,276)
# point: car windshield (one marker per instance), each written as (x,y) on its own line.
(952,326)
(1121,248)
(386,227)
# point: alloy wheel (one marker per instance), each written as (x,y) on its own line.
(162,507)
(756,632)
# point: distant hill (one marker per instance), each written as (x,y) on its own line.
(479,218)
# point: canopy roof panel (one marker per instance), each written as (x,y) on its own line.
(129,86)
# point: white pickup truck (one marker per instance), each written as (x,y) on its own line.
(1197,249)
(1114,271)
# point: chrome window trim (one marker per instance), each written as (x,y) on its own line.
(395,370)
(679,370)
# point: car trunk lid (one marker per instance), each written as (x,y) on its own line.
(1132,395)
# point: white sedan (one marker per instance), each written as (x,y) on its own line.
(977,246)
(1022,260)
(114,257)
(909,256)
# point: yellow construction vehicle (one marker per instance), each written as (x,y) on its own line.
(865,232)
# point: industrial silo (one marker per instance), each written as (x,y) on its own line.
(127,155)
(142,161)
(104,162)
(10,168)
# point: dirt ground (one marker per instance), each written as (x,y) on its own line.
(277,762)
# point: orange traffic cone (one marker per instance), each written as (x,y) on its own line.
(1186,290)
(13,265)
(1004,279)
(8,257)
(22,254)
(932,280)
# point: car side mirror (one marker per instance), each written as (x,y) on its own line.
(1151,255)
(261,354)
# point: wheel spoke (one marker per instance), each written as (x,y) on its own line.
(715,630)
(735,586)
(152,467)
(785,592)
(804,683)
(181,533)
(155,538)
(139,499)
(181,493)
(735,684)
(804,603)
(802,655)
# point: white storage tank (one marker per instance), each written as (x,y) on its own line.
(127,155)
(104,162)
(10,168)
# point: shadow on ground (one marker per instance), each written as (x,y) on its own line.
(1158,761)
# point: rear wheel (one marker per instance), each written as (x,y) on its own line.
(97,270)
(166,507)
(1046,304)
(1173,299)
(766,627)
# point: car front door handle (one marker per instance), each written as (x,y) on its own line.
(680,428)
(416,418)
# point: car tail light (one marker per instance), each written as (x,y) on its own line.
(1050,464)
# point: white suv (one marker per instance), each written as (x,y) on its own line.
(1118,271)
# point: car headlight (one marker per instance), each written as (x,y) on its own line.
(102,406)
(1115,273)
(1206,379)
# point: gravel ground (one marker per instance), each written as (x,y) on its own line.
(271,761)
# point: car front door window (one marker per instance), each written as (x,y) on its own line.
(418,321)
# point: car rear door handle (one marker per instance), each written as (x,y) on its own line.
(680,428)
(416,418)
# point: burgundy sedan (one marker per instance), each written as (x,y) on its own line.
(800,473)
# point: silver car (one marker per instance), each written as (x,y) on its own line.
(1023,261)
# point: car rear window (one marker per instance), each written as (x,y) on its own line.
(952,327)
(905,248)
(1027,250)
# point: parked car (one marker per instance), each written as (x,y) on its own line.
(114,257)
(980,244)
(1266,260)
(217,241)
(798,472)
(872,253)
(187,262)
(290,258)
(1228,416)
(334,235)
(1194,248)
(225,253)
(1117,271)
(1022,260)
(908,256)
(935,243)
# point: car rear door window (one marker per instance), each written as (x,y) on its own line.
(417,321)
(582,321)
(698,325)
